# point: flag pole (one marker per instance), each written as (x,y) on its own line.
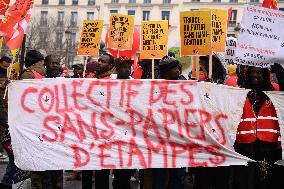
(85,66)
(210,67)
(23,50)
(197,68)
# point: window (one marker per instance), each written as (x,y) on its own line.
(73,40)
(132,1)
(281,9)
(114,1)
(217,1)
(233,20)
(75,2)
(43,18)
(59,37)
(233,1)
(113,11)
(131,12)
(60,18)
(61,2)
(195,0)
(90,15)
(146,15)
(147,1)
(231,35)
(167,1)
(45,2)
(73,21)
(43,39)
(91,2)
(254,1)
(165,15)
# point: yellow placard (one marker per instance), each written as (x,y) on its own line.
(219,30)
(14,71)
(120,35)
(195,32)
(90,38)
(154,39)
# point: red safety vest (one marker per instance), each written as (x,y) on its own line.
(264,127)
(37,75)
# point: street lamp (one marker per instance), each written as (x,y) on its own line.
(67,37)
(237,29)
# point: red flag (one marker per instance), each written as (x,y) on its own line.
(271,4)
(15,22)
(4,5)
(229,16)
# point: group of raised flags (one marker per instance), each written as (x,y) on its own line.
(14,22)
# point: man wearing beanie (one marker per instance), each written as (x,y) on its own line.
(34,63)
(170,68)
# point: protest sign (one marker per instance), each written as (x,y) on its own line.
(195,32)
(90,38)
(123,124)
(261,39)
(231,45)
(154,43)
(219,30)
(120,35)
(14,71)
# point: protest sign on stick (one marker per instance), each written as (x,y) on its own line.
(121,31)
(90,38)
(195,32)
(123,124)
(261,37)
(154,43)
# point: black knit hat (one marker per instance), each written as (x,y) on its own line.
(5,59)
(32,57)
(167,63)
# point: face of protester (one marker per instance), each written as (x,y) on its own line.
(78,72)
(123,70)
(104,64)
(256,77)
(53,68)
(172,74)
(243,70)
(4,65)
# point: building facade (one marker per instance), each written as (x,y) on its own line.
(59,21)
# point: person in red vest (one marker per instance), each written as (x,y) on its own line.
(258,136)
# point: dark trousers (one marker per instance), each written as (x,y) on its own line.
(102,179)
(122,179)
(47,179)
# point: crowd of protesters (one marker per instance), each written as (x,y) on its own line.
(264,146)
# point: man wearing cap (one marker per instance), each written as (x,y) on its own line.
(34,63)
(78,70)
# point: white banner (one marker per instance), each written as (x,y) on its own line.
(261,38)
(92,124)
(231,44)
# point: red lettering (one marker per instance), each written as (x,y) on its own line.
(223,140)
(57,101)
(102,156)
(166,91)
(191,126)
(42,96)
(134,150)
(175,151)
(130,92)
(187,92)
(152,99)
(46,125)
(192,150)
(122,89)
(168,119)
(76,94)
(89,92)
(120,150)
(78,157)
(107,134)
(24,96)
(135,119)
(69,127)
(218,158)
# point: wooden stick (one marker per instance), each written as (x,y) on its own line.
(197,67)
(153,68)
(85,66)
(210,67)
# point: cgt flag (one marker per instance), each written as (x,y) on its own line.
(15,22)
